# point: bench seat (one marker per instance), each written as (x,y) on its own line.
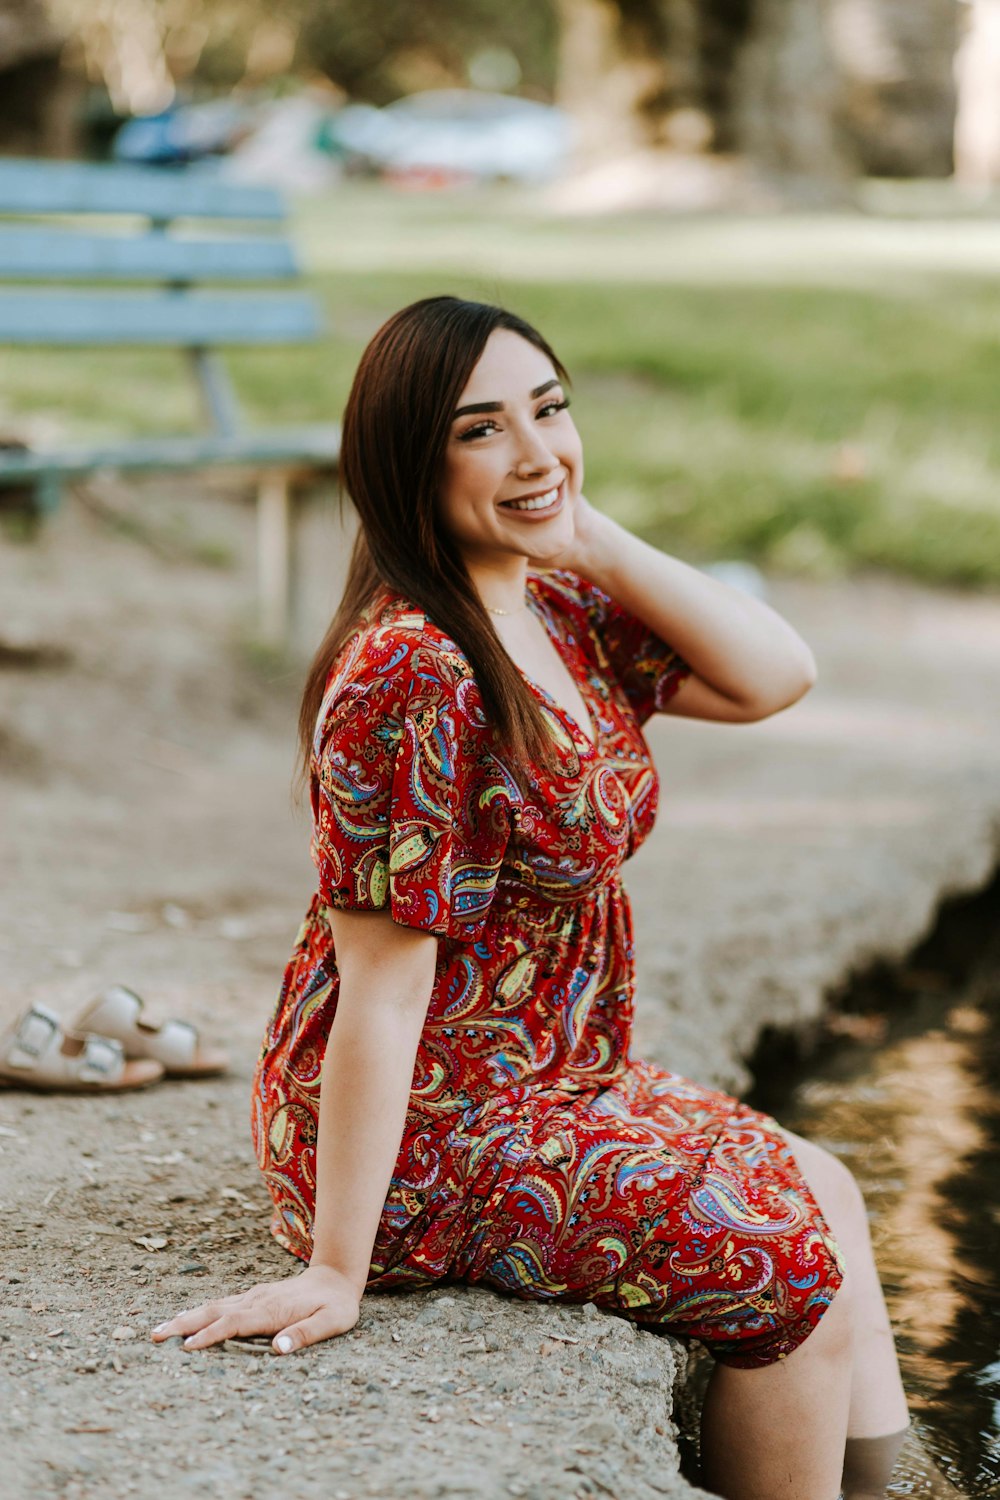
(315,446)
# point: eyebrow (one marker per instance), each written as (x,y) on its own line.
(484,406)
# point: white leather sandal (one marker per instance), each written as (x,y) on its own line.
(175,1044)
(38,1052)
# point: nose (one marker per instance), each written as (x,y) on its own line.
(534,454)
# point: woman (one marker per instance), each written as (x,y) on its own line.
(445,1090)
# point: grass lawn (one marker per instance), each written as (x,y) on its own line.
(812,393)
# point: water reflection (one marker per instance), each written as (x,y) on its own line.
(909,1101)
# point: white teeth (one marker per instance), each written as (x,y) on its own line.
(538,502)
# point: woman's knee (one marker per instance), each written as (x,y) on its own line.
(833,1185)
(832,1338)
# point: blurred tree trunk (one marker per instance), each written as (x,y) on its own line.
(977,71)
(789,94)
(36,96)
(815,90)
(627,69)
(829,88)
(896,60)
(757,76)
(26,32)
(724,26)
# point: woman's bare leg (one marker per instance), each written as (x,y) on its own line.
(878,1403)
(777,1432)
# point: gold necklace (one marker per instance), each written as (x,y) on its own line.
(494,611)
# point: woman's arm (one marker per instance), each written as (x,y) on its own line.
(386,977)
(747,662)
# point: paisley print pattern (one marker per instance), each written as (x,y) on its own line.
(538,1156)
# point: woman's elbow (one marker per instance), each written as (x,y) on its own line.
(795,682)
(808,671)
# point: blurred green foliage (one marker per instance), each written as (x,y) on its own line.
(813,394)
(383,50)
(376,50)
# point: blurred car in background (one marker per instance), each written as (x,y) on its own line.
(437,138)
(184,133)
(462,134)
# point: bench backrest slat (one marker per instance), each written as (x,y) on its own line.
(182,319)
(44,240)
(33,254)
(56,187)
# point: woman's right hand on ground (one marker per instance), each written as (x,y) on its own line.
(317,1304)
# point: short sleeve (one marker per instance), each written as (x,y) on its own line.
(649,669)
(410,810)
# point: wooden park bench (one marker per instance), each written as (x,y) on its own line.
(91,297)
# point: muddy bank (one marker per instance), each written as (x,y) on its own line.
(146,757)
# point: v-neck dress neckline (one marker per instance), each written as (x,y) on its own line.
(540,609)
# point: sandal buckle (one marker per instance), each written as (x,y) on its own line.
(28,1039)
(102,1055)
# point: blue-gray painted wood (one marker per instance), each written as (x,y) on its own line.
(220,401)
(48,493)
(197,320)
(183,319)
(64,187)
(312,447)
(28,253)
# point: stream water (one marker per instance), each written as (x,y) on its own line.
(904,1088)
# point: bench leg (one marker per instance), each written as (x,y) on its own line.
(274,558)
(48,495)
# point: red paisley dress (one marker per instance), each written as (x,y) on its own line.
(538,1156)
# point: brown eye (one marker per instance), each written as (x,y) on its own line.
(481,429)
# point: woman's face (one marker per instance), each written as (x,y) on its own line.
(513,464)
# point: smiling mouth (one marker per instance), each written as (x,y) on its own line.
(547,501)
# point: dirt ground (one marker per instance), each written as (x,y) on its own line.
(149,838)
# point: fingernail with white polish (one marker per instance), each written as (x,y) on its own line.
(284,1343)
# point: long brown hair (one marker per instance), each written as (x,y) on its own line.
(395,432)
